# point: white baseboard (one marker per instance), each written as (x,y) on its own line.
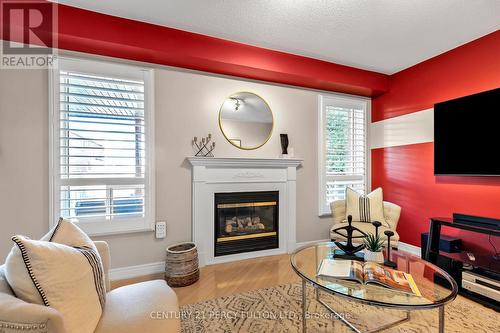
(301,244)
(128,272)
(415,250)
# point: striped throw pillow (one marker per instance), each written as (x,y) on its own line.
(63,270)
(365,208)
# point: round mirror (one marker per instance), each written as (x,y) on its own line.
(246,120)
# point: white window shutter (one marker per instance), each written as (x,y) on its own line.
(342,148)
(102,172)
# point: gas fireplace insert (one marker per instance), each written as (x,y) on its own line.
(246,221)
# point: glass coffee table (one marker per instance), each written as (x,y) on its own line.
(436,286)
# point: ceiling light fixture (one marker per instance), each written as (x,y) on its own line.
(237,103)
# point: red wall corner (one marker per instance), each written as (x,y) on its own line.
(468,69)
(406,173)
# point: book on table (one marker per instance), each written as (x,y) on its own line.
(368,272)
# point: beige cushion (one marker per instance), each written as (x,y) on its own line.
(392,213)
(67,233)
(365,208)
(366,228)
(69,278)
(149,307)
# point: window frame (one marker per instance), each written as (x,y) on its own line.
(365,103)
(97,227)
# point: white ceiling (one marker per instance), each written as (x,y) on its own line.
(380,35)
(252,109)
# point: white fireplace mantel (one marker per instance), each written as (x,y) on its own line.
(217,175)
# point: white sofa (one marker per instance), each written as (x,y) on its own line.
(392,213)
(142,307)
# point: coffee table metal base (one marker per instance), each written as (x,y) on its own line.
(348,323)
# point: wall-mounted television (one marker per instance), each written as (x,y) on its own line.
(467,135)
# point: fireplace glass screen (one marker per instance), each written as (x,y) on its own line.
(246,221)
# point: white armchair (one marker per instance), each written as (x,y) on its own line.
(133,308)
(392,213)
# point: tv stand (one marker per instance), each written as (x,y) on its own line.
(478,221)
(486,266)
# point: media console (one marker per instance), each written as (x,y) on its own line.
(477,221)
(478,276)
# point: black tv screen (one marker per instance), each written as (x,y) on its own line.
(467,135)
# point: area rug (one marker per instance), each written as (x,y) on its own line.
(278,309)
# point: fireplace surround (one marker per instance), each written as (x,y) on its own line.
(211,176)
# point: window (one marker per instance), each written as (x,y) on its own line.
(342,148)
(101,149)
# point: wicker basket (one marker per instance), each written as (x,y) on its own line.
(181,266)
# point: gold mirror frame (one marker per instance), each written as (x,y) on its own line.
(228,139)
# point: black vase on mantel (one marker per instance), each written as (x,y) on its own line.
(284,143)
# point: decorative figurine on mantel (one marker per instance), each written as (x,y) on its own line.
(348,250)
(286,151)
(204,147)
(284,144)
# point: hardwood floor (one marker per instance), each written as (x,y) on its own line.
(246,275)
(231,278)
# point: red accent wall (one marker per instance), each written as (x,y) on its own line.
(406,173)
(468,69)
(91,32)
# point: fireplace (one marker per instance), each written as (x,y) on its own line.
(245,222)
(221,176)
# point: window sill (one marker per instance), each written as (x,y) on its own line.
(116,232)
(105,228)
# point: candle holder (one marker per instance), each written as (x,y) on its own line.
(388,261)
(204,147)
(349,250)
(376,224)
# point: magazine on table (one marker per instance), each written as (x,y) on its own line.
(368,272)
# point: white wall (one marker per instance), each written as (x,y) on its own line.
(408,129)
(187,105)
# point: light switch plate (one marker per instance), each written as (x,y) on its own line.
(161,229)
